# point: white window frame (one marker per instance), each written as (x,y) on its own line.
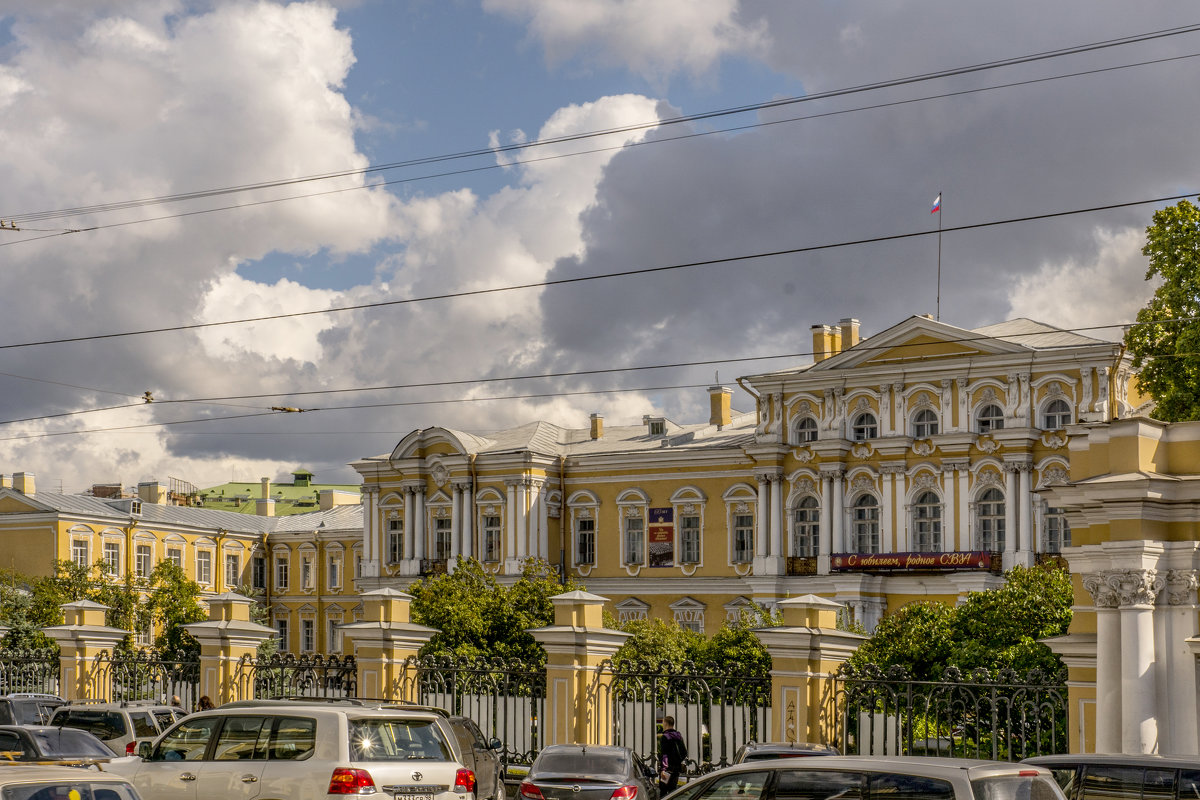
(862,430)
(175,555)
(806,430)
(742,524)
(633,538)
(333,568)
(281,567)
(864,526)
(1053,418)
(585,541)
(631,609)
(689,614)
(691,537)
(443,538)
(111,553)
(806,531)
(1055,541)
(927,511)
(308,635)
(395,542)
(143,560)
(81,552)
(991,422)
(204,565)
(991,512)
(233,578)
(925,423)
(282,632)
(257,560)
(491,534)
(308,570)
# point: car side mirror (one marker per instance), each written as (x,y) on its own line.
(494,744)
(145,750)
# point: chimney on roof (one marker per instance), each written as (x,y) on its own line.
(720,409)
(264,506)
(266,489)
(152,492)
(5,482)
(597,426)
(822,339)
(849,328)
(23,483)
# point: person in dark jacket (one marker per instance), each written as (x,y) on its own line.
(672,753)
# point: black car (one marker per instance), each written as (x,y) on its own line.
(589,772)
(763,751)
(480,755)
(28,709)
(41,743)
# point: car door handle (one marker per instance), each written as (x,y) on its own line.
(187,776)
(249,779)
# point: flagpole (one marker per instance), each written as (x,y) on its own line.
(938,310)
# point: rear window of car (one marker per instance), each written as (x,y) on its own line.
(391,739)
(31,712)
(818,784)
(1014,787)
(68,790)
(101,724)
(143,724)
(897,786)
(70,742)
(581,762)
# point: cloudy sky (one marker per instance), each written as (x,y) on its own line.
(175,164)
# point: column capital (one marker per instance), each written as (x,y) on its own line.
(1125,588)
(833,471)
(1181,586)
(1103,595)
(892,468)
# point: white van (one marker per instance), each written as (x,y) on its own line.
(299,750)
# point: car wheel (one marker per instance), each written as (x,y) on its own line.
(499,795)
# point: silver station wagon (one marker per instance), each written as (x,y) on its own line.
(302,751)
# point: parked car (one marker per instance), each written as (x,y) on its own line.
(28,708)
(1086,775)
(46,745)
(588,772)
(119,725)
(847,777)
(303,750)
(62,783)
(764,751)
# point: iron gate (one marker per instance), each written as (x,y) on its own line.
(304,675)
(142,675)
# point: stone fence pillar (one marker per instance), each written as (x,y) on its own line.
(382,644)
(806,652)
(80,641)
(228,635)
(578,695)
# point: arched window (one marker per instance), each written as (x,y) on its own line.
(925,424)
(990,418)
(927,523)
(865,528)
(990,516)
(806,430)
(1057,415)
(1058,532)
(864,427)
(806,528)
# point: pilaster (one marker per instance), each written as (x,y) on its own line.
(225,640)
(385,643)
(82,638)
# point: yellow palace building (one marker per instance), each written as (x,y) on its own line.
(900,467)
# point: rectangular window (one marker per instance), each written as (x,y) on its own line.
(491,539)
(80,552)
(281,572)
(334,635)
(395,541)
(689,539)
(308,639)
(203,566)
(335,572)
(141,560)
(442,538)
(281,630)
(635,540)
(307,579)
(145,637)
(585,541)
(357,565)
(175,556)
(743,538)
(112,557)
(258,572)
(233,571)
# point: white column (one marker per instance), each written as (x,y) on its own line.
(762,520)
(776,516)
(1181,663)
(891,533)
(468,520)
(1139,723)
(1025,511)
(1108,662)
(510,522)
(522,521)
(964,509)
(838,513)
(825,542)
(949,527)
(372,536)
(419,522)
(1010,514)
(455,522)
(410,547)
(543,524)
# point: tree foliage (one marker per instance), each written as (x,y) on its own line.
(1167,354)
(476,615)
(994,629)
(733,648)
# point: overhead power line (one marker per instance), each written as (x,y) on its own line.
(623,129)
(601,276)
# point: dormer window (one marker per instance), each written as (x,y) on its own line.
(135,507)
(655,426)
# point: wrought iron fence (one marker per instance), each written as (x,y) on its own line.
(292,675)
(29,671)
(717,709)
(1002,715)
(142,675)
(505,697)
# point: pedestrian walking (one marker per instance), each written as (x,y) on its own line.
(672,753)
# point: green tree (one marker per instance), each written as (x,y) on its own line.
(1166,353)
(918,637)
(476,615)
(174,600)
(655,641)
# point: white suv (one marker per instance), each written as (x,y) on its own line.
(302,750)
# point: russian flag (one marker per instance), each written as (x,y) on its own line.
(937,204)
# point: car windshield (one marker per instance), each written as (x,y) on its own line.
(1016,787)
(68,790)
(61,742)
(388,739)
(28,711)
(580,763)
(101,724)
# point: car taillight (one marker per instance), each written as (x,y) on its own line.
(626,792)
(130,748)
(464,781)
(531,791)
(351,781)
